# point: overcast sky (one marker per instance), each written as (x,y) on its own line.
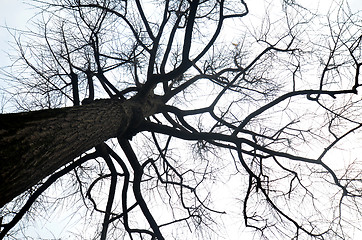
(15,14)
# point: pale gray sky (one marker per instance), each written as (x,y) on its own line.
(15,14)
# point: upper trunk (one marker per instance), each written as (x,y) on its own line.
(35,144)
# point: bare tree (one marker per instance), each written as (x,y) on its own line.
(165,117)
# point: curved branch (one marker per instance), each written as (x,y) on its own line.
(138,172)
(8,226)
(102,149)
(207,136)
(273,103)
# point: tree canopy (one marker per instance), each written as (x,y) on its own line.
(185,119)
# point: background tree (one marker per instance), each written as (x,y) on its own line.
(168,118)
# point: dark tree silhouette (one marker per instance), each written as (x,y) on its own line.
(164,118)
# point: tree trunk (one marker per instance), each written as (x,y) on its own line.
(35,144)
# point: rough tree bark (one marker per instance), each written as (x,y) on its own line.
(35,144)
